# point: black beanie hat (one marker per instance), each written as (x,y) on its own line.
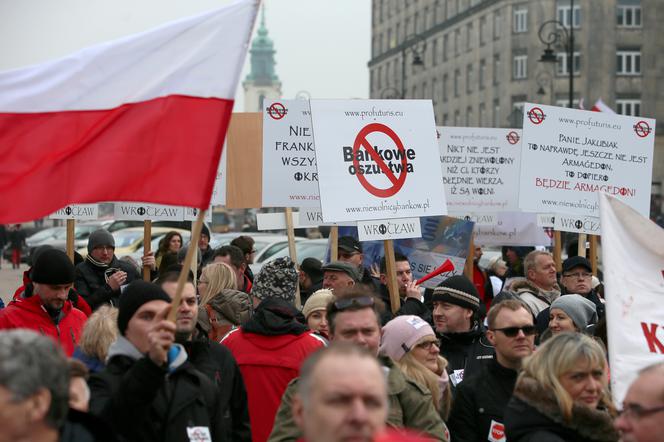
(458,290)
(53,266)
(98,238)
(134,296)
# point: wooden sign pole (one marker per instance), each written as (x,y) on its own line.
(334,243)
(593,253)
(71,231)
(147,246)
(557,250)
(468,269)
(581,249)
(391,273)
(292,250)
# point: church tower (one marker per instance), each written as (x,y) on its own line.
(262,82)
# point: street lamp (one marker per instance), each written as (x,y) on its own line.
(544,81)
(554,32)
(416,44)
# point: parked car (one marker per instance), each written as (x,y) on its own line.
(304,248)
(129,240)
(154,245)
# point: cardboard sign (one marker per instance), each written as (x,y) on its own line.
(219,189)
(546,219)
(146,211)
(277,221)
(480,168)
(577,224)
(389,229)
(633,257)
(480,219)
(513,229)
(570,155)
(377,159)
(77,211)
(290,176)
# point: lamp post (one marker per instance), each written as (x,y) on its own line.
(417,45)
(544,81)
(558,33)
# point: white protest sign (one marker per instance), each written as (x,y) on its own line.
(546,219)
(312,217)
(377,159)
(79,212)
(513,229)
(480,168)
(191,213)
(290,178)
(480,219)
(277,221)
(389,229)
(569,155)
(633,257)
(146,211)
(219,189)
(577,224)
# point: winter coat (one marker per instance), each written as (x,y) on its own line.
(26,290)
(536,298)
(217,363)
(91,283)
(85,427)
(230,307)
(466,353)
(479,405)
(533,415)
(146,402)
(410,406)
(269,349)
(409,306)
(65,329)
(93,363)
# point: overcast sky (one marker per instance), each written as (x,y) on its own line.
(323,46)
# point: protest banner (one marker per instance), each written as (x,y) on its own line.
(244,162)
(290,176)
(377,159)
(513,229)
(71,213)
(389,229)
(219,190)
(569,155)
(480,168)
(633,258)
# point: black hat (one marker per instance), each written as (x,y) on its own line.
(345,267)
(576,261)
(458,290)
(136,294)
(53,266)
(313,268)
(98,238)
(36,252)
(349,244)
(205,231)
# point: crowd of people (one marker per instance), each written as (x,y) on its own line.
(517,353)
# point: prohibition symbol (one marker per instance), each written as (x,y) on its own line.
(277,111)
(513,137)
(361,141)
(642,129)
(536,115)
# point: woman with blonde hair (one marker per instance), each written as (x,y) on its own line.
(562,394)
(412,344)
(99,332)
(221,306)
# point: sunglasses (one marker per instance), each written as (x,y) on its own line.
(346,303)
(511,332)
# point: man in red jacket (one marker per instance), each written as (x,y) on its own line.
(48,311)
(271,346)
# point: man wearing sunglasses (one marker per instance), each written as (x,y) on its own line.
(355,318)
(643,407)
(512,333)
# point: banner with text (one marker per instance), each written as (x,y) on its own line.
(80,212)
(570,155)
(378,159)
(480,168)
(378,230)
(219,189)
(145,211)
(513,229)
(633,257)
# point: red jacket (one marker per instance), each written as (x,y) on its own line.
(77,300)
(268,364)
(30,313)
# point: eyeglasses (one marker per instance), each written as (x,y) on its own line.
(511,332)
(636,411)
(346,303)
(427,345)
(577,275)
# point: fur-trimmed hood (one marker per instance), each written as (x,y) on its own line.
(534,409)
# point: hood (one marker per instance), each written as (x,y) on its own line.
(232,305)
(274,317)
(524,285)
(123,347)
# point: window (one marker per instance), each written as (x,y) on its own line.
(434,91)
(469,116)
(445,85)
(397,33)
(482,74)
(483,30)
(482,115)
(425,91)
(562,66)
(445,44)
(564,14)
(446,119)
(457,42)
(629,16)
(457,78)
(434,54)
(497,24)
(457,118)
(469,78)
(416,23)
(520,19)
(564,102)
(628,107)
(496,69)
(520,67)
(496,113)
(469,35)
(628,63)
(379,78)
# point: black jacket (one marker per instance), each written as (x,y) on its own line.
(466,352)
(91,283)
(144,402)
(85,427)
(533,415)
(480,401)
(218,364)
(409,306)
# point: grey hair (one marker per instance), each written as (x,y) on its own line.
(529,260)
(30,362)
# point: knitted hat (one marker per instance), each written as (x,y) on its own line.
(34,254)
(54,267)
(458,290)
(205,231)
(402,333)
(312,267)
(581,311)
(98,238)
(277,279)
(344,267)
(349,244)
(576,261)
(136,294)
(319,300)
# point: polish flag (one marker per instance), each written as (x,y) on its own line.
(600,106)
(142,118)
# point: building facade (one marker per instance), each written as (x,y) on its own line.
(262,81)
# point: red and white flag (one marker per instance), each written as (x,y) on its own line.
(599,106)
(633,257)
(142,118)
